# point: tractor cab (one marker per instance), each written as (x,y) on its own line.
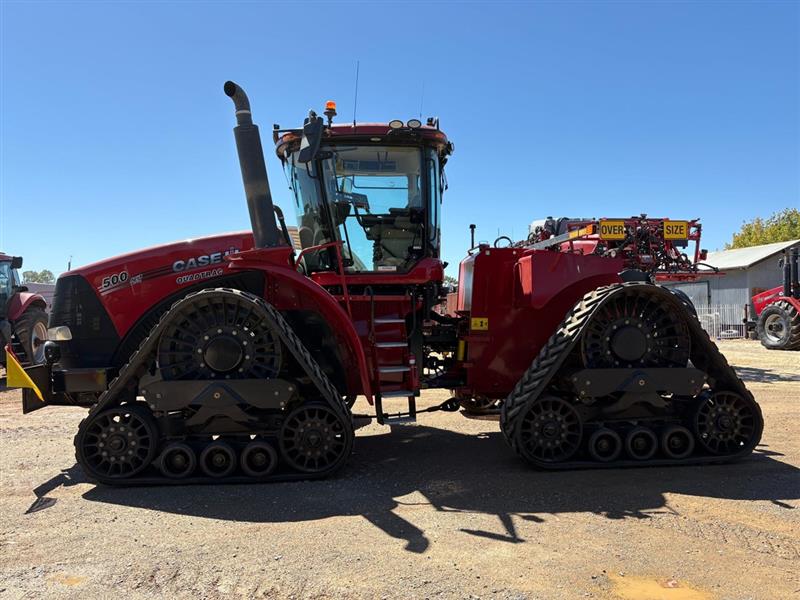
(373,189)
(9,280)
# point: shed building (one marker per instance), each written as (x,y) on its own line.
(724,300)
(744,273)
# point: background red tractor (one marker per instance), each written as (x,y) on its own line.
(778,309)
(235,358)
(23,316)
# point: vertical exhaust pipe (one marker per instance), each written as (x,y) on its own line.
(254,171)
(787,274)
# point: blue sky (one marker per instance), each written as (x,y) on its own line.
(116,134)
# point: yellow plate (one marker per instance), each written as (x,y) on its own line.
(479,324)
(676,230)
(612,230)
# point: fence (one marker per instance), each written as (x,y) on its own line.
(723,321)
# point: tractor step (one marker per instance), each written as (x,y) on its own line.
(393,369)
(391,344)
(386,320)
(397,420)
(397,394)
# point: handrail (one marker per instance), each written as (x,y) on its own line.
(340,268)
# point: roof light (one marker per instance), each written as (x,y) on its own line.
(330,111)
(395,124)
(414,123)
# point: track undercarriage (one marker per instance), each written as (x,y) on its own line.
(613,387)
(222,390)
(229,394)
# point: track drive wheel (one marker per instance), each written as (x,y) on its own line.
(778,327)
(117,443)
(549,432)
(636,328)
(315,440)
(219,335)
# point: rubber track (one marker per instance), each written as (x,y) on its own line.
(704,355)
(125,386)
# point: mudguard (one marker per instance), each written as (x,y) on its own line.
(19,303)
(286,289)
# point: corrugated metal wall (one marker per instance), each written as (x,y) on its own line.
(731,288)
(696,290)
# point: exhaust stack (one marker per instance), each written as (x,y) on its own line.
(787,274)
(254,171)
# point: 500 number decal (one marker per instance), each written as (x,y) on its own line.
(114,280)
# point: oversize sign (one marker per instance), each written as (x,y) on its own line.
(612,230)
(676,230)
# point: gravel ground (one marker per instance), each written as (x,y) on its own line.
(441,509)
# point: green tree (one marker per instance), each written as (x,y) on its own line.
(779,227)
(451,281)
(43,276)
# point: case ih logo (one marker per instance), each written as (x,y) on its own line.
(203,260)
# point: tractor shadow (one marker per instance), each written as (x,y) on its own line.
(758,375)
(458,473)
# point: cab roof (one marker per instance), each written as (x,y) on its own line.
(377,133)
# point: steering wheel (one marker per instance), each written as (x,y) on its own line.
(504,237)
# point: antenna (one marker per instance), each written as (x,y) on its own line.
(355,100)
(421,99)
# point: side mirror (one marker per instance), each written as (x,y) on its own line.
(16,262)
(312,136)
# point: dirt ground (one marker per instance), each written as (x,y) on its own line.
(441,509)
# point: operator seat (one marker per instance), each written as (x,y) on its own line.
(399,235)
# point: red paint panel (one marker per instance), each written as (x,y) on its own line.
(524,294)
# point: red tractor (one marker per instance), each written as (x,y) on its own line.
(23,320)
(778,309)
(233,358)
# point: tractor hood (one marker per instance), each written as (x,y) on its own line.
(187,259)
(101,302)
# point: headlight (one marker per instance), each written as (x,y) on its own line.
(59,334)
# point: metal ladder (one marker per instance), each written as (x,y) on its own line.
(388,333)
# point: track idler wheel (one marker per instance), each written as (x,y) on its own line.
(727,423)
(258,459)
(605,445)
(641,443)
(177,461)
(677,442)
(117,443)
(550,431)
(314,439)
(218,459)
